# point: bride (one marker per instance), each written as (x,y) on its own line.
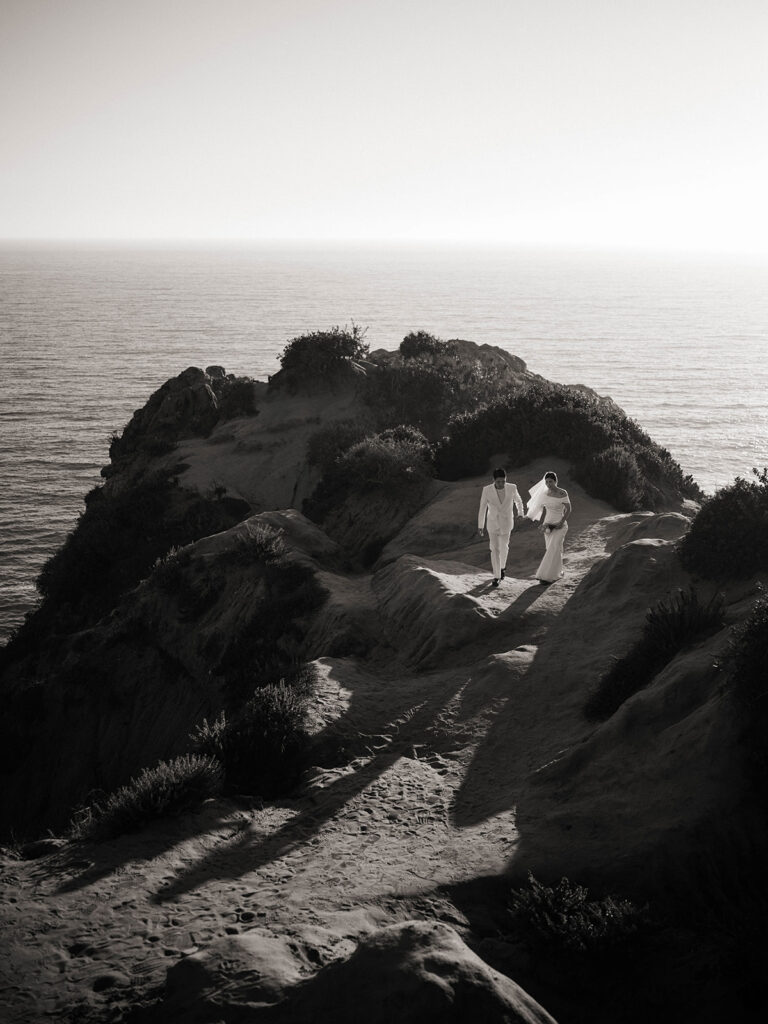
(551,506)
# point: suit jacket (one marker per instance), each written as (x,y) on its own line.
(499,507)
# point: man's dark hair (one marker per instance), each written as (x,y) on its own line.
(499,472)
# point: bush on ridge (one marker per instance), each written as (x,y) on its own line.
(396,460)
(614,475)
(315,360)
(261,745)
(331,441)
(562,917)
(669,626)
(613,457)
(750,690)
(420,343)
(728,538)
(430,383)
(168,789)
(118,540)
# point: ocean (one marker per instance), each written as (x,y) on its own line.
(88,332)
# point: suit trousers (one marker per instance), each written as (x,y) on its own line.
(499,544)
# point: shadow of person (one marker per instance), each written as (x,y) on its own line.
(482,588)
(524,600)
(542,711)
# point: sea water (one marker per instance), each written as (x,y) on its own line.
(87,333)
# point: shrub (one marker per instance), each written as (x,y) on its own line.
(701,939)
(118,540)
(261,746)
(331,441)
(235,397)
(399,455)
(669,626)
(168,789)
(750,690)
(304,681)
(195,589)
(614,476)
(269,646)
(114,440)
(728,538)
(750,649)
(417,392)
(540,418)
(672,624)
(168,569)
(259,542)
(396,460)
(420,343)
(313,360)
(561,918)
(428,389)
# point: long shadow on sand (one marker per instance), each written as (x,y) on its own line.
(524,600)
(87,862)
(541,716)
(542,712)
(360,725)
(249,853)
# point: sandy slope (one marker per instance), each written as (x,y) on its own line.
(447,729)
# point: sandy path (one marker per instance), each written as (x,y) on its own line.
(96,927)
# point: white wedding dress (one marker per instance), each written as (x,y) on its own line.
(551,567)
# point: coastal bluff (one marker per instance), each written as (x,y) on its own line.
(247,530)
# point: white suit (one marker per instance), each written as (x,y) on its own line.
(497,506)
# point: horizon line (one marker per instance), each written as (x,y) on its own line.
(377,242)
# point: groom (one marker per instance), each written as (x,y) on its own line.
(497,502)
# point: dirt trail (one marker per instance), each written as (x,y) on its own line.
(428,796)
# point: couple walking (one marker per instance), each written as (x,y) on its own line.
(549,505)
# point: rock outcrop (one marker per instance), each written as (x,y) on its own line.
(416,972)
(467,353)
(128,692)
(185,406)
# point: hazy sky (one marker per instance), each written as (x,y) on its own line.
(580,122)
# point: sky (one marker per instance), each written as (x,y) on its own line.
(631,123)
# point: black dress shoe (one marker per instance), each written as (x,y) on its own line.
(503,573)
(494,582)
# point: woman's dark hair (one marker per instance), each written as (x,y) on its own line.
(499,472)
(551,475)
